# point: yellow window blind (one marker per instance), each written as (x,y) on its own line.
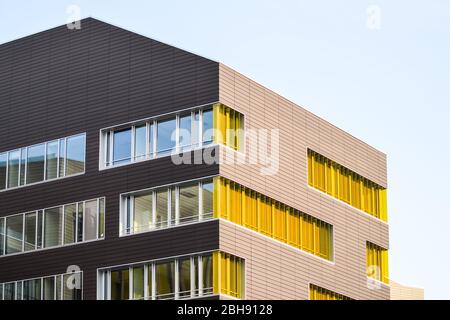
(377,263)
(228,126)
(346,185)
(228,275)
(318,293)
(255,211)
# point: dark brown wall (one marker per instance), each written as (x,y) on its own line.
(61,82)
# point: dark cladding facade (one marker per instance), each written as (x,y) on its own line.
(63,82)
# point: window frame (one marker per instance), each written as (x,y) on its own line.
(23,170)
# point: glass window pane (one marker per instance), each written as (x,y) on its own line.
(30,231)
(185,138)
(140,142)
(14,234)
(149,281)
(122,146)
(58,287)
(138,283)
(23,161)
(1,291)
(9,291)
(165,280)
(161,208)
(196,129)
(166,136)
(70,223)
(49,288)
(39,228)
(90,220)
(142,213)
(75,154)
(62,157)
(151,138)
(120,285)
(80,222)
(53,227)
(184,273)
(207,126)
(35,163)
(72,283)
(2,235)
(13,168)
(3,170)
(195,280)
(101,222)
(52,160)
(188,203)
(32,289)
(207,265)
(207,190)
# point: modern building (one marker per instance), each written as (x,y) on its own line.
(131,169)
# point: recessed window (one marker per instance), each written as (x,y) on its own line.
(14,234)
(35,164)
(165,280)
(143,213)
(140,142)
(120,284)
(75,154)
(53,227)
(185,134)
(52,160)
(122,146)
(13,168)
(42,162)
(166,138)
(207,132)
(32,289)
(189,202)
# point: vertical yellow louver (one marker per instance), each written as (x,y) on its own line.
(228,275)
(346,185)
(377,263)
(318,293)
(228,126)
(255,211)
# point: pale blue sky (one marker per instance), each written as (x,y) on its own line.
(388,87)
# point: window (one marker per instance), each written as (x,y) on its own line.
(184,274)
(2,236)
(48,288)
(318,293)
(14,234)
(122,146)
(185,138)
(207,278)
(35,163)
(13,168)
(164,207)
(189,203)
(208,131)
(90,220)
(32,289)
(30,231)
(272,218)
(230,274)
(9,291)
(143,213)
(52,160)
(161,136)
(72,286)
(166,140)
(120,284)
(161,208)
(346,185)
(165,280)
(70,223)
(377,262)
(140,142)
(138,283)
(3,162)
(207,199)
(75,153)
(62,158)
(52,227)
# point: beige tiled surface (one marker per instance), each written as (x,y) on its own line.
(299,130)
(402,292)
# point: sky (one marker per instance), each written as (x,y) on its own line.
(379,70)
